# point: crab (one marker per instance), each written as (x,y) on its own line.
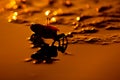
(48,32)
(46,52)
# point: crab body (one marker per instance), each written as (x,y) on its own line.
(44,31)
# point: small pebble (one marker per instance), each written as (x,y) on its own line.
(84,17)
(105,43)
(110,27)
(19,21)
(92,40)
(103,8)
(88,30)
(116,41)
(69,34)
(68,3)
(51,2)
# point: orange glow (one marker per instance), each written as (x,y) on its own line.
(12,4)
(68,2)
(78,18)
(47,12)
(13,17)
(57,12)
(53,20)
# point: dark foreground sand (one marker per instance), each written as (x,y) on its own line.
(87,62)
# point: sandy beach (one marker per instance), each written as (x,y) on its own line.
(89,60)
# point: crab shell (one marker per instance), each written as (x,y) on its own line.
(45,31)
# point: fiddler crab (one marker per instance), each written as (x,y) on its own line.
(47,52)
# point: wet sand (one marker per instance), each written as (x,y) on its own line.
(87,62)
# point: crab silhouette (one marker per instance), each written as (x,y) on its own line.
(46,52)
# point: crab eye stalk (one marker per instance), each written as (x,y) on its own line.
(47,13)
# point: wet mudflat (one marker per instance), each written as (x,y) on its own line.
(93,32)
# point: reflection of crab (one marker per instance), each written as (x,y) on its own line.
(47,52)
